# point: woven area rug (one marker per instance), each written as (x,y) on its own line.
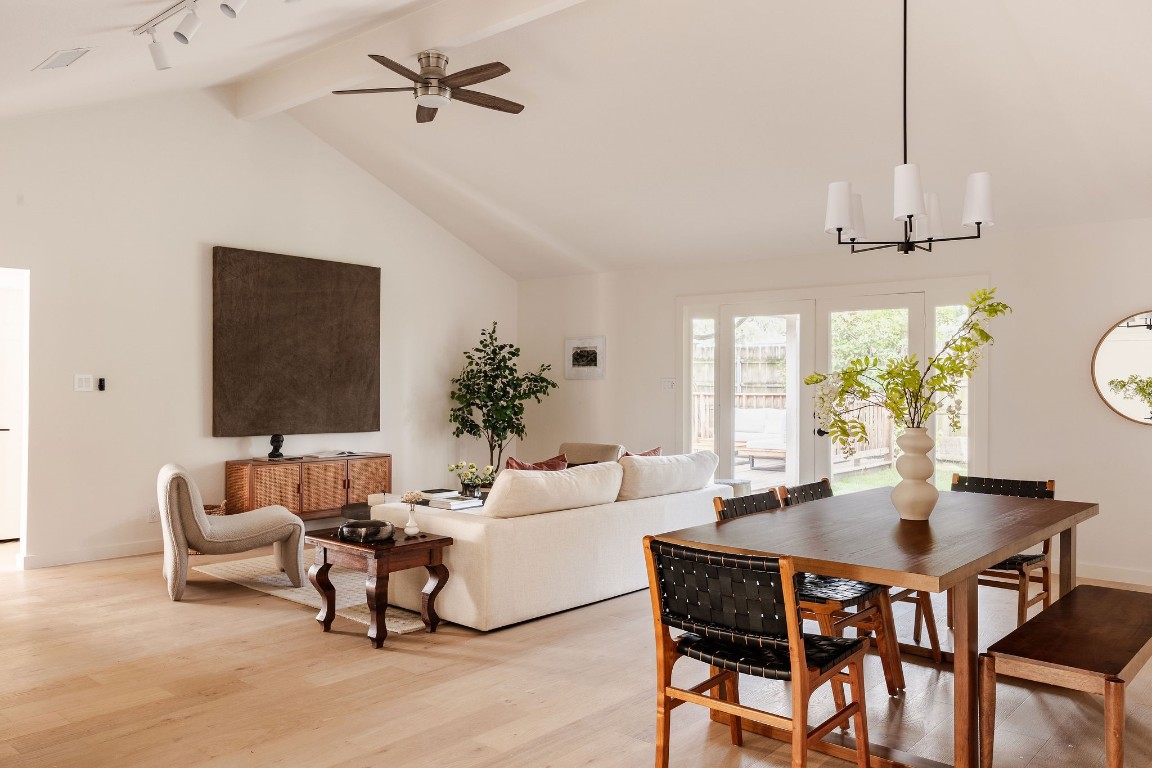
(262,575)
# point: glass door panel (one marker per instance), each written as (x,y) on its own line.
(702,383)
(951,445)
(875,326)
(766,351)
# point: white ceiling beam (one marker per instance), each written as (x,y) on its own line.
(446,25)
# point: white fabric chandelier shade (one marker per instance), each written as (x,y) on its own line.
(907,195)
(978,200)
(839,212)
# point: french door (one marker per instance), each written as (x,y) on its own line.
(748,402)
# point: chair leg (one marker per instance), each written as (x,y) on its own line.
(887,646)
(951,621)
(731,691)
(828,627)
(1114,723)
(1022,597)
(800,728)
(176,571)
(924,606)
(1046,577)
(860,719)
(987,708)
(916,633)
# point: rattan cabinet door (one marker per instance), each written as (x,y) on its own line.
(276,484)
(367,476)
(323,485)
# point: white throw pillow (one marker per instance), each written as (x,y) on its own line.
(519,492)
(646,476)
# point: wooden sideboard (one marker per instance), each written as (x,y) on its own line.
(308,487)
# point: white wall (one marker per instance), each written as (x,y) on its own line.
(1067,285)
(115,211)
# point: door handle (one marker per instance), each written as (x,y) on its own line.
(821,432)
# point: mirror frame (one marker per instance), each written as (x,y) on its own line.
(1096,385)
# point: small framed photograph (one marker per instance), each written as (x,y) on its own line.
(584,358)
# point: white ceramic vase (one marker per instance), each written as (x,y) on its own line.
(914,496)
(411,528)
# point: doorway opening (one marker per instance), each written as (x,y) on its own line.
(14,327)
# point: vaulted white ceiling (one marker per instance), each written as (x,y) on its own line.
(676,131)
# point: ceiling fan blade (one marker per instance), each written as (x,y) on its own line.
(425,114)
(475,75)
(485,100)
(378,90)
(396,67)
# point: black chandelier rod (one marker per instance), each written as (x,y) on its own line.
(905,102)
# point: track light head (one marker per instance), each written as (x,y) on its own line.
(159,55)
(188,26)
(232,8)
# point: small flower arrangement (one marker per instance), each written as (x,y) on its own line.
(470,475)
(412,497)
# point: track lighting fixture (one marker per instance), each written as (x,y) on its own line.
(232,8)
(159,55)
(188,25)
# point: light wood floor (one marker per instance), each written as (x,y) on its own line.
(101,669)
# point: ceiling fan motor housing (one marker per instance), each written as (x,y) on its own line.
(433,64)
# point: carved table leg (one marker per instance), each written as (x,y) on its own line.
(318,575)
(437,578)
(376,587)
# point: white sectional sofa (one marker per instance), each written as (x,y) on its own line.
(548,541)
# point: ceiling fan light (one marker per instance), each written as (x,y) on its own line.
(433,96)
(978,200)
(232,8)
(907,196)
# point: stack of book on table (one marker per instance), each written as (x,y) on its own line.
(438,493)
(455,501)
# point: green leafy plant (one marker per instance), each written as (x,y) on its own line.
(900,385)
(1133,388)
(490,394)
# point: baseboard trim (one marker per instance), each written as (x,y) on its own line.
(88,554)
(1110,573)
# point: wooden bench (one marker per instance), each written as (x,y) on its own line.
(1093,639)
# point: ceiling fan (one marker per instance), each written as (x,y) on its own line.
(434,88)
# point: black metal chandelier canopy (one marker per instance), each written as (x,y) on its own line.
(919,212)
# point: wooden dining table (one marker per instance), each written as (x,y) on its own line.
(860,536)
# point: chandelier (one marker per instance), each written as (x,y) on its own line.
(919,212)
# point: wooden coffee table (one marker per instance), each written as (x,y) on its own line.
(377,561)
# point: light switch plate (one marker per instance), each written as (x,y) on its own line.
(85,382)
(668,385)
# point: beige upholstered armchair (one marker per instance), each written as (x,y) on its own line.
(186,525)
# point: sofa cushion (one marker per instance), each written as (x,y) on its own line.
(519,492)
(554,463)
(646,476)
(591,453)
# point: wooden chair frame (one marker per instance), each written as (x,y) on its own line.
(1021,578)
(724,685)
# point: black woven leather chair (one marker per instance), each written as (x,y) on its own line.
(828,597)
(739,616)
(798,494)
(1019,571)
(738,506)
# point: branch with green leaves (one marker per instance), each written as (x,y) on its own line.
(902,387)
(1133,388)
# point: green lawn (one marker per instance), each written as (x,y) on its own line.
(880,476)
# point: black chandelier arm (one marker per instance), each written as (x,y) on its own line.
(856,249)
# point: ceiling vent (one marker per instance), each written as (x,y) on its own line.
(62,59)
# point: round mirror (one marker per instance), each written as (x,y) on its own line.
(1122,368)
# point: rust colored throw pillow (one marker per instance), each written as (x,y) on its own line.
(651,452)
(556,462)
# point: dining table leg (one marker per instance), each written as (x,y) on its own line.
(964,667)
(1067,561)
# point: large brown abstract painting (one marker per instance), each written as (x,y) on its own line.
(295,345)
